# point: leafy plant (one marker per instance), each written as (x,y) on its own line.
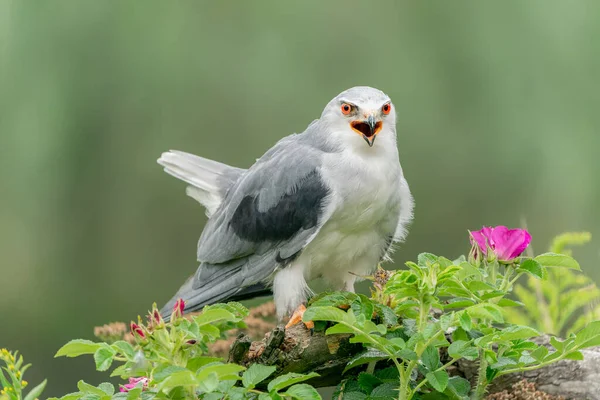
(12,378)
(564,302)
(455,306)
(170,361)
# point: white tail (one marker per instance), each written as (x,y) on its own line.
(209,179)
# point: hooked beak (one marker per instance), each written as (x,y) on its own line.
(368,129)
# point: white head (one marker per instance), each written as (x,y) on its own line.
(360,115)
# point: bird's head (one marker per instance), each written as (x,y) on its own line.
(358,116)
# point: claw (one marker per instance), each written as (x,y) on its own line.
(297,318)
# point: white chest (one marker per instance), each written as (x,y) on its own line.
(364,214)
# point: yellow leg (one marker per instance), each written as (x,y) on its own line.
(296,318)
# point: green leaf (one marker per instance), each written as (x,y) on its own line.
(574,355)
(78,347)
(407,354)
(475,286)
(425,260)
(366,357)
(385,391)
(87,388)
(213,315)
(486,311)
(255,374)
(107,388)
(303,392)
(540,353)
(438,380)
(180,378)
(458,302)
(515,332)
(458,387)
(589,336)
(503,362)
(328,314)
(533,268)
(557,344)
(463,349)
(368,382)
(194,364)
(465,321)
(339,329)
(223,371)
(288,379)
(209,383)
(509,303)
(557,260)
(36,391)
(104,357)
(431,358)
(165,370)
(124,348)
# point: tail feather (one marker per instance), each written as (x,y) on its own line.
(209,179)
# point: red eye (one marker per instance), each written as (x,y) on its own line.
(346,108)
(386,108)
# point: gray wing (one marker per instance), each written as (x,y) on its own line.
(265,220)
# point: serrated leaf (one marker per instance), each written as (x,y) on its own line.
(36,391)
(465,321)
(331,314)
(180,378)
(533,268)
(288,379)
(502,363)
(459,387)
(164,371)
(475,286)
(255,374)
(557,260)
(78,347)
(515,332)
(589,336)
(87,388)
(366,357)
(103,357)
(223,371)
(540,353)
(213,315)
(407,354)
(107,388)
(463,349)
(385,391)
(303,391)
(209,383)
(430,358)
(124,348)
(438,380)
(458,302)
(368,382)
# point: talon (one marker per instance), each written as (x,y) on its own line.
(297,318)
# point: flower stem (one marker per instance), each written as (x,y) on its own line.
(481,379)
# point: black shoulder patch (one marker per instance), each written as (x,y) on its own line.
(297,210)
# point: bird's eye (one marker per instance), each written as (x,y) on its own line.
(346,108)
(386,108)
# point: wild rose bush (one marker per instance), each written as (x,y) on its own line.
(414,326)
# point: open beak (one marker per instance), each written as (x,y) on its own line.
(368,129)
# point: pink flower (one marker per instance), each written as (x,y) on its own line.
(137,330)
(133,382)
(506,244)
(178,309)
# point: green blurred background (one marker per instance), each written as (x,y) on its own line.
(499,121)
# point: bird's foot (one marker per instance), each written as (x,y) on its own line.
(296,318)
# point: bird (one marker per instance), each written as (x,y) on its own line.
(330,202)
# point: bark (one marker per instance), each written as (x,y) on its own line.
(297,350)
